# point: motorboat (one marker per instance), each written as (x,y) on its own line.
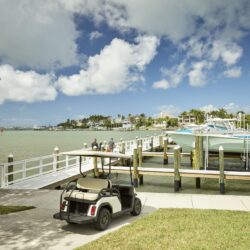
(216,132)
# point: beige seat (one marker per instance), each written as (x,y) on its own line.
(89,188)
(76,194)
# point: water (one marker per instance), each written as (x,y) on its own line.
(28,144)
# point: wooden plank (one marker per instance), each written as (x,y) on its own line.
(92,153)
(161,154)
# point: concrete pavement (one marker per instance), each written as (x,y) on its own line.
(36,229)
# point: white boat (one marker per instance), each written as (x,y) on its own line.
(216,132)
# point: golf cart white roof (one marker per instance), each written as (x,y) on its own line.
(91,153)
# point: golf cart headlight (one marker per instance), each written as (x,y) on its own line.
(92,211)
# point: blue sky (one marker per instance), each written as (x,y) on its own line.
(69,59)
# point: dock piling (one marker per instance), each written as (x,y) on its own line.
(96,172)
(165,148)
(177,162)
(152,144)
(140,162)
(197,159)
(221,165)
(135,170)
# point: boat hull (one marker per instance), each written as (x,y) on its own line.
(229,143)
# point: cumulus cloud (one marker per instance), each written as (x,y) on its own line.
(203,30)
(208,108)
(162,84)
(168,110)
(234,108)
(29,86)
(37,34)
(95,35)
(197,76)
(228,52)
(118,65)
(233,72)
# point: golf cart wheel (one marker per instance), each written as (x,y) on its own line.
(103,219)
(137,207)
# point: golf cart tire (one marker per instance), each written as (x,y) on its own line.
(103,219)
(137,207)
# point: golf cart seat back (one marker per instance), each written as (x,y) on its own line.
(88,189)
(93,184)
(79,195)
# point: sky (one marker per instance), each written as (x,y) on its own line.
(70,59)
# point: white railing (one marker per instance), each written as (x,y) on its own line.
(17,171)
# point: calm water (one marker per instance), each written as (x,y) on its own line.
(28,144)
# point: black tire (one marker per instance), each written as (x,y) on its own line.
(137,207)
(103,220)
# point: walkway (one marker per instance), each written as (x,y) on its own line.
(36,229)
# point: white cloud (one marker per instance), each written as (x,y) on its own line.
(115,69)
(168,110)
(29,86)
(37,34)
(197,76)
(175,74)
(233,72)
(232,107)
(204,30)
(162,84)
(95,35)
(208,108)
(230,52)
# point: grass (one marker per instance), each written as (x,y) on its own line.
(181,229)
(13,209)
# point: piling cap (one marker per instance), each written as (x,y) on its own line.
(121,139)
(10,156)
(177,147)
(56,149)
(221,148)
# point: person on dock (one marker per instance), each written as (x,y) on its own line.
(111,145)
(94,144)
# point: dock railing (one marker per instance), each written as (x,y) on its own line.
(17,171)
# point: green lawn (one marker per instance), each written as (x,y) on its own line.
(181,229)
(13,209)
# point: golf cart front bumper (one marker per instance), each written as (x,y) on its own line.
(74,218)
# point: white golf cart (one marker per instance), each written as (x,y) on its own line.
(97,200)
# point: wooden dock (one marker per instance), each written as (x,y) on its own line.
(51,174)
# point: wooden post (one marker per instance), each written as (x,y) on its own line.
(56,158)
(135,171)
(177,163)
(140,162)
(160,142)
(96,172)
(197,160)
(192,156)
(165,148)
(10,168)
(201,159)
(222,175)
(152,144)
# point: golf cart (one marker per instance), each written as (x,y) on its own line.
(94,200)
